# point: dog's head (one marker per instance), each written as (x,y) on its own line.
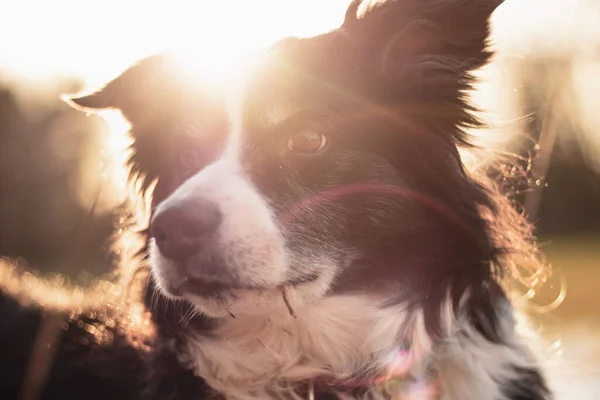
(341,171)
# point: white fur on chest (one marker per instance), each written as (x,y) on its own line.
(336,336)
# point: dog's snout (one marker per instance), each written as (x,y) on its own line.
(181,229)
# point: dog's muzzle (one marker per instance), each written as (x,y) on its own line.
(183,232)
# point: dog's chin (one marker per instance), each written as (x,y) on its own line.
(285,300)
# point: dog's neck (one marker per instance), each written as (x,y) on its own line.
(340,338)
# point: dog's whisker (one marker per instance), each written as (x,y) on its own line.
(287,302)
(188,316)
(193,314)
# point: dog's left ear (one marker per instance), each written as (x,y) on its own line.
(449,32)
(422,51)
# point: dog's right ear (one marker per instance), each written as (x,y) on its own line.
(133,91)
(178,125)
(101,99)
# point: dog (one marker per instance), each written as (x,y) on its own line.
(318,235)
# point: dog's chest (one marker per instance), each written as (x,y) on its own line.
(338,337)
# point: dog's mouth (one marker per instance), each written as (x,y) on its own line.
(205,288)
(199,287)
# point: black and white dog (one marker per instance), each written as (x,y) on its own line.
(320,237)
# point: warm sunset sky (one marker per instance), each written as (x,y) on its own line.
(97,39)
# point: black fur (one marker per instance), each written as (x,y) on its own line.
(529,386)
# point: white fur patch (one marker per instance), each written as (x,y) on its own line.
(250,357)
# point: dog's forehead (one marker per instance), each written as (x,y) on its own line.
(274,93)
(295,75)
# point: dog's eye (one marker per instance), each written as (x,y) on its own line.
(307,141)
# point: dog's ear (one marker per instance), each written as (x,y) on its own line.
(97,100)
(178,125)
(135,92)
(422,51)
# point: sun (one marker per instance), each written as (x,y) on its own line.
(94,41)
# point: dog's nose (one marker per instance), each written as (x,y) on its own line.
(181,229)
